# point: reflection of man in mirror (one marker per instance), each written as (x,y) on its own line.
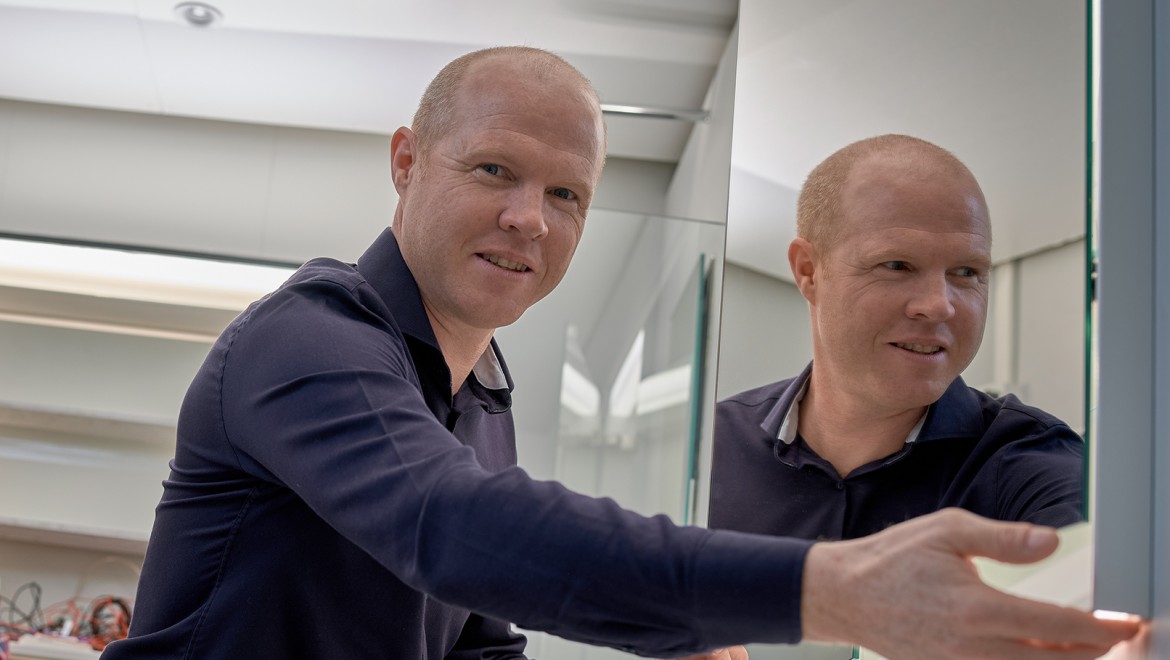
(893,255)
(343,485)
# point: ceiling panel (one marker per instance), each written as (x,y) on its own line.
(83,58)
(353,65)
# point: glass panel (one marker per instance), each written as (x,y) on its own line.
(610,370)
(622,374)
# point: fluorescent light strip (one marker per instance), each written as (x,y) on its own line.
(654,113)
(578,393)
(125,274)
(664,389)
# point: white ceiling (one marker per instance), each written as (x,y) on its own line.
(1000,82)
(354,65)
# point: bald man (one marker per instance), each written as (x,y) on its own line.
(893,255)
(344,485)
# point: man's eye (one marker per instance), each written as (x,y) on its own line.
(564,193)
(895,265)
(967,272)
(491,168)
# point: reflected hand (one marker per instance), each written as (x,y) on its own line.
(732,653)
(911,591)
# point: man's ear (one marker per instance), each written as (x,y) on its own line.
(802,259)
(403,158)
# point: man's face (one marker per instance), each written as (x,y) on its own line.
(900,300)
(490,215)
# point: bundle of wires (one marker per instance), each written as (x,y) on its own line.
(16,619)
(98,621)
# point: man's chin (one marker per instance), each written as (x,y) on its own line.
(495,318)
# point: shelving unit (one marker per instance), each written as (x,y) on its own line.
(93,374)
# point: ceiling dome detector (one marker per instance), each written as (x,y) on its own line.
(199,14)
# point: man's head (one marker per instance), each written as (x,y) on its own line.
(494,182)
(893,253)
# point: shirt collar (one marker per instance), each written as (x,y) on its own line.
(491,381)
(958,413)
(787,409)
(489,370)
(384,268)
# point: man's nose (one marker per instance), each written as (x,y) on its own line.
(931,299)
(524,213)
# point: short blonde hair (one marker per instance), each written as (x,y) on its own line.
(435,112)
(818,208)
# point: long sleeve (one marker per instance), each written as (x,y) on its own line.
(331,409)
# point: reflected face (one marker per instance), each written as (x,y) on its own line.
(899,302)
(489,215)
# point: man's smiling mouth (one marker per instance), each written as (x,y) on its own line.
(923,349)
(504,263)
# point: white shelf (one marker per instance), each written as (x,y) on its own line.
(86,423)
(72,536)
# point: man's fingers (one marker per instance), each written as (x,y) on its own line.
(1025,619)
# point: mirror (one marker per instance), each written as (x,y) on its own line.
(1000,84)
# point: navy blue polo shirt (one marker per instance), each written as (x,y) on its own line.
(995,457)
(328,498)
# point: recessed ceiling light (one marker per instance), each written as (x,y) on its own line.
(199,14)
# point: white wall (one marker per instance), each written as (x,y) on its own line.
(765,333)
(699,188)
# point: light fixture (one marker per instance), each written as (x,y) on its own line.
(654,113)
(198,14)
(131,275)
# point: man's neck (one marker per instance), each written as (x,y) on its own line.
(848,433)
(462,346)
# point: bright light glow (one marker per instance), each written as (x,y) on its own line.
(664,389)
(623,398)
(578,393)
(1110,615)
(135,275)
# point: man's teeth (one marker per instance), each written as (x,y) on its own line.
(504,263)
(925,349)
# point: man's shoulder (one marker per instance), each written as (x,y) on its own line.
(764,395)
(322,277)
(326,269)
(1010,405)
(323,299)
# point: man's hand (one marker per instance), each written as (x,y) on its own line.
(733,653)
(911,591)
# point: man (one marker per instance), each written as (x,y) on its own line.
(893,255)
(343,483)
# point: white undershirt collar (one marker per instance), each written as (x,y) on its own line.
(488,372)
(791,423)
